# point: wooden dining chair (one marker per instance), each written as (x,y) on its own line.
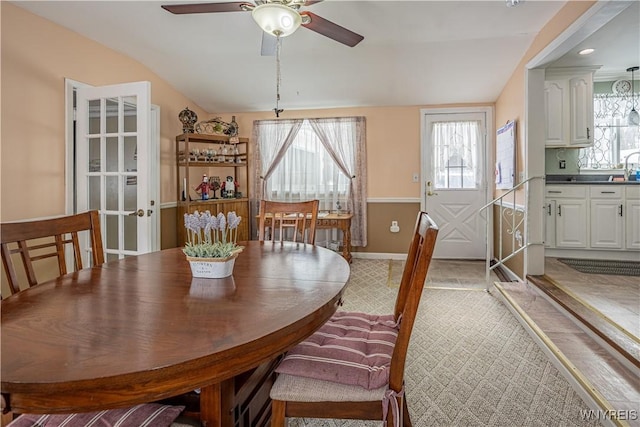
(41,239)
(293,219)
(353,366)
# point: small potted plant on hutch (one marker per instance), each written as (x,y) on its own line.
(211,247)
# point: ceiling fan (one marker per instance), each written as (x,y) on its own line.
(278,18)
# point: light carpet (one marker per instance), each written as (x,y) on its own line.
(470,362)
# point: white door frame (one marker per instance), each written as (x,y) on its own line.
(154,161)
(488,154)
(534,146)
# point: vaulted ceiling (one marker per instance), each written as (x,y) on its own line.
(413,52)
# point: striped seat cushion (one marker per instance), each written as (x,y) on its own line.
(148,414)
(351,348)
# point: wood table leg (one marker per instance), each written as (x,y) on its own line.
(346,242)
(215,404)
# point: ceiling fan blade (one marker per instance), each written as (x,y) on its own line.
(180,9)
(331,30)
(310,2)
(269,43)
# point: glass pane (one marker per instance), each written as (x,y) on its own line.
(111,231)
(111,257)
(112,154)
(130,192)
(94,193)
(130,117)
(112,115)
(130,153)
(111,191)
(94,116)
(131,233)
(456,160)
(94,154)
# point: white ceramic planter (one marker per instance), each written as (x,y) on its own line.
(212,268)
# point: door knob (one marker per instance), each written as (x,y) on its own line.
(429,192)
(139,212)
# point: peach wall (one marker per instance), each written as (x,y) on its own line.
(510,105)
(393,143)
(37,55)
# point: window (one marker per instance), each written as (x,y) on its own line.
(613,139)
(307,171)
(456,146)
(304,159)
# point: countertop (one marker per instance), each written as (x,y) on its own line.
(588,179)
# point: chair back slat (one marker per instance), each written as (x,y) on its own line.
(411,286)
(297,218)
(19,237)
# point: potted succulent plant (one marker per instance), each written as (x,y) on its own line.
(211,247)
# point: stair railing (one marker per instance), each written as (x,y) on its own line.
(513,218)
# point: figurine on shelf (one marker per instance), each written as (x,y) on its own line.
(188,118)
(229,188)
(215,186)
(204,188)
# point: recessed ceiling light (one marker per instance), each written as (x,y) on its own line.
(588,51)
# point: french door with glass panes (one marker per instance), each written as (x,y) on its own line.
(112,167)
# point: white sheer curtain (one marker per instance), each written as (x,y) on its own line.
(322,159)
(455,160)
(272,139)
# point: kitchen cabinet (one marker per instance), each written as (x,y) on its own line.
(568,107)
(632,217)
(218,157)
(606,216)
(566,219)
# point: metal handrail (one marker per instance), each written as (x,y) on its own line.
(513,231)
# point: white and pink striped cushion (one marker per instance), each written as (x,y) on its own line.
(351,348)
(145,415)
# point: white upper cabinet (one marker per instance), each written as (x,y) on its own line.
(568,103)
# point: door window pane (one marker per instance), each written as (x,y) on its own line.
(111,191)
(94,116)
(112,115)
(131,233)
(130,118)
(94,155)
(455,157)
(111,231)
(94,193)
(112,154)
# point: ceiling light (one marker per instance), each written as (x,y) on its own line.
(587,51)
(513,3)
(277,19)
(634,117)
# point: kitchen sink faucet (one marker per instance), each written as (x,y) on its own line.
(626,164)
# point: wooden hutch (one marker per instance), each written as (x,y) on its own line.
(218,157)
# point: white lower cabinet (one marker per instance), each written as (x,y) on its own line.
(632,217)
(593,217)
(607,217)
(566,225)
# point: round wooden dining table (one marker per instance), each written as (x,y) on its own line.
(141,329)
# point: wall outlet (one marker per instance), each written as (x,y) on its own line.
(562,164)
(394,227)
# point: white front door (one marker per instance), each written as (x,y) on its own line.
(113,165)
(454,183)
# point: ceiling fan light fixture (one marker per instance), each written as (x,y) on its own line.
(276,19)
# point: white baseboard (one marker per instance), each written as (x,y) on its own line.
(378,255)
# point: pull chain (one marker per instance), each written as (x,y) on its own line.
(278,110)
